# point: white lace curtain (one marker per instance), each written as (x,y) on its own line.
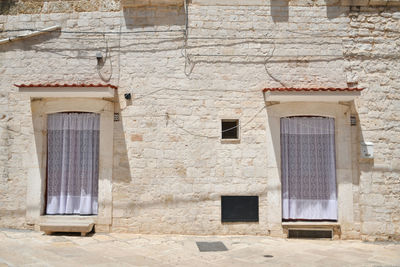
(72,163)
(308,168)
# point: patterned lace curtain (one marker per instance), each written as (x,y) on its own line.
(308,168)
(73,163)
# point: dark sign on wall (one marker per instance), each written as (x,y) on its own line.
(239,208)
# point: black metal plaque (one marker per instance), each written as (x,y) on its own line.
(239,208)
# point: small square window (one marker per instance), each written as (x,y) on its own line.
(230,129)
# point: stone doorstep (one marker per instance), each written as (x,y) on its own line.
(66,227)
(334,226)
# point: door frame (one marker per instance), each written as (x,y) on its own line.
(37,154)
(343,141)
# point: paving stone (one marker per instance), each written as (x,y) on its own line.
(31,249)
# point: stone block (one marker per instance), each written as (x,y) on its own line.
(82,228)
(136,137)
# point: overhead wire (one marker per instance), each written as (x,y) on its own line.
(185,32)
(267,58)
(185,43)
(239,125)
(193,37)
(169,118)
(119,52)
(97,32)
(107,58)
(191,98)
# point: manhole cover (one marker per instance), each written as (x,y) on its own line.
(211,246)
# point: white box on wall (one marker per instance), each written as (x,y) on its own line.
(367,150)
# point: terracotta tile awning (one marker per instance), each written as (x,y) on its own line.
(67,89)
(314,94)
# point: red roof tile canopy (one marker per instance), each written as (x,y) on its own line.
(66,85)
(326,89)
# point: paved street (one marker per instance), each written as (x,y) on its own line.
(28,248)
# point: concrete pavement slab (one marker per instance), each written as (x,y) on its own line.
(28,248)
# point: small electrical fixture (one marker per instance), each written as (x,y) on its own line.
(353,120)
(128,96)
(99,58)
(116,116)
(367,150)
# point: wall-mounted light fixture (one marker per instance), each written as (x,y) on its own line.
(99,58)
(128,96)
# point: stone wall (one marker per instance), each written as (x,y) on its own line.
(372,53)
(14,7)
(170,166)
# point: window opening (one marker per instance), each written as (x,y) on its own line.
(230,129)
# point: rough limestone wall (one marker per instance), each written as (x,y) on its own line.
(372,51)
(15,7)
(170,166)
(52,57)
(13,134)
(49,58)
(6,200)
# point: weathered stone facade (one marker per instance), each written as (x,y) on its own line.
(169,166)
(372,60)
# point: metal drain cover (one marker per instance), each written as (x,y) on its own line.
(211,246)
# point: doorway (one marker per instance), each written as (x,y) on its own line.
(72,163)
(308,168)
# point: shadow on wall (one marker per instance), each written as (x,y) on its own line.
(31,43)
(154,16)
(357,147)
(335,9)
(280,10)
(121,167)
(12,218)
(5,6)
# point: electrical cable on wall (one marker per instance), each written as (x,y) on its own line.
(188,63)
(96,33)
(168,118)
(267,58)
(119,51)
(102,63)
(239,125)
(139,97)
(182,31)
